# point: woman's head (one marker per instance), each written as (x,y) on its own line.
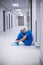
(24,30)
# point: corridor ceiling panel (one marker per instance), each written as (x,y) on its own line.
(23,4)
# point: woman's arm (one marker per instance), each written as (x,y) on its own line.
(23,38)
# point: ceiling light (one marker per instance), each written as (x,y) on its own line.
(18,9)
(20,12)
(15,4)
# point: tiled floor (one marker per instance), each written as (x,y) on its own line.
(21,55)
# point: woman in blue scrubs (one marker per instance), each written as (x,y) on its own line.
(25,36)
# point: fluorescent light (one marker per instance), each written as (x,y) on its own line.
(15,4)
(18,9)
(20,12)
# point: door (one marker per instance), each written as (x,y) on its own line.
(20,20)
(9,21)
(3,20)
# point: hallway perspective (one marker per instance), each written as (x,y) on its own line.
(16,15)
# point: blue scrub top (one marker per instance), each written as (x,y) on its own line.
(28,40)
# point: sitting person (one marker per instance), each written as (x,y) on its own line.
(25,36)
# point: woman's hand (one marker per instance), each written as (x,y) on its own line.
(17,41)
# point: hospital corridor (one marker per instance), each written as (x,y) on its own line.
(15,15)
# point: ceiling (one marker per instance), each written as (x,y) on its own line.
(23,5)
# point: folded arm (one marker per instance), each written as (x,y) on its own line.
(22,39)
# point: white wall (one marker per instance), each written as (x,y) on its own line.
(41,31)
(1,17)
(25,21)
(10,19)
(38,19)
(33,18)
(15,22)
(36,22)
(7,20)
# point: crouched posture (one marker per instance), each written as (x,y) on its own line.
(25,36)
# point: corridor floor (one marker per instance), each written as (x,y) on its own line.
(17,55)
